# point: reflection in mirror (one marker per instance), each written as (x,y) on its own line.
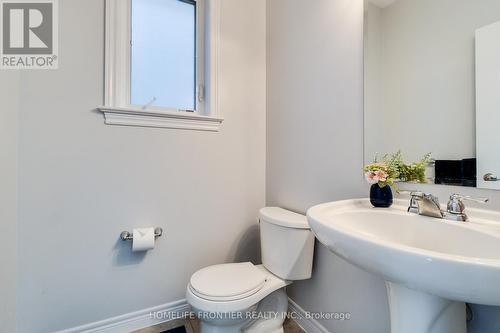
(420,85)
(488,105)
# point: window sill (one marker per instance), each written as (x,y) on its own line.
(160,119)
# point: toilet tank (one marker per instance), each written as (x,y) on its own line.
(287,243)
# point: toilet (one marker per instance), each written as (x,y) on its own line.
(243,297)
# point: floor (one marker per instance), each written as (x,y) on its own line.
(191,326)
(291,326)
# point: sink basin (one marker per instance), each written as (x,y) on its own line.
(431,266)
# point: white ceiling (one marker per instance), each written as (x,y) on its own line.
(382,3)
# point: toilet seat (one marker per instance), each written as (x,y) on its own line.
(227,282)
(200,301)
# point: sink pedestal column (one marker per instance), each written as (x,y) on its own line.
(417,312)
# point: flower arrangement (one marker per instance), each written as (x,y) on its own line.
(380,173)
(391,168)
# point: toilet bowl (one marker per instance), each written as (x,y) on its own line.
(243,297)
(230,297)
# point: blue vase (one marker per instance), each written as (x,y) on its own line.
(381,196)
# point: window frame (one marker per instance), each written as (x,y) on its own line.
(118,109)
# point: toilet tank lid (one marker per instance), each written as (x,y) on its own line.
(284,218)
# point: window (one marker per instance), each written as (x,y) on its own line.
(164,53)
(161,59)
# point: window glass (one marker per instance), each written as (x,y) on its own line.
(163,53)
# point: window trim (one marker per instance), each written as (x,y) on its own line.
(117,109)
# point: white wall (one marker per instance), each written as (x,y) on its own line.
(9,88)
(81,182)
(425,52)
(315,142)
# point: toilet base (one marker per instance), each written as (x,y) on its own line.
(270,313)
(207,328)
(275,306)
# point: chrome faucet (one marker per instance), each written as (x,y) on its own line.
(455,208)
(428,205)
(425,204)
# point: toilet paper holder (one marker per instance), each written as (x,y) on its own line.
(128,236)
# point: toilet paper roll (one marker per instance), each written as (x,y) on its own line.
(143,239)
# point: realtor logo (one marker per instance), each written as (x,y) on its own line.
(29,34)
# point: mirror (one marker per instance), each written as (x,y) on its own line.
(432,85)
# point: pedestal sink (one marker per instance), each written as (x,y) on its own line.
(431,266)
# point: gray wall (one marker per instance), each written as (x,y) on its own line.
(9,87)
(315,142)
(81,182)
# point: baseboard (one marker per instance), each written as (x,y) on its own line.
(310,325)
(134,320)
(141,319)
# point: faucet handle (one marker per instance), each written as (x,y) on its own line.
(456,205)
(456,196)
